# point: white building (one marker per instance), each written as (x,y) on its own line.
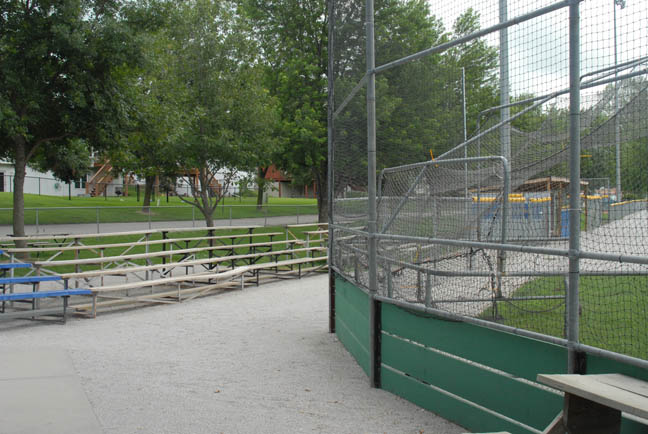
(44,183)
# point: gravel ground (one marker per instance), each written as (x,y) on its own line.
(254,361)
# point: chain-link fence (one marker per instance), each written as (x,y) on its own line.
(503,160)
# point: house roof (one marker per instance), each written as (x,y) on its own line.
(274,174)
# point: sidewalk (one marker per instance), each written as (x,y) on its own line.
(91,228)
(259,360)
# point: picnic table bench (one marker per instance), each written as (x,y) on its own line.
(593,403)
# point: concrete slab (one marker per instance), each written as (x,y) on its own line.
(39,362)
(41,394)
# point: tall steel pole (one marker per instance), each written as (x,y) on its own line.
(617,126)
(330,172)
(574,187)
(505,113)
(374,312)
(465,127)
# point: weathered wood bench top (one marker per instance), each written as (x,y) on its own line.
(200,277)
(74,236)
(55,237)
(139,243)
(323,231)
(189,263)
(306,225)
(161,254)
(623,393)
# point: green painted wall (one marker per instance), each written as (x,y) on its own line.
(352,320)
(418,345)
(433,363)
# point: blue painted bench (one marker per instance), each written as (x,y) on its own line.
(32,296)
(34,280)
(9,265)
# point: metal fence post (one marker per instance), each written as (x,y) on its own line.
(193,216)
(374,304)
(98,231)
(574,186)
(330,157)
(37,218)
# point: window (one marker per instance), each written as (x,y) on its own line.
(80,183)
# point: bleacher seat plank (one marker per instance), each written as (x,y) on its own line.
(190,263)
(139,243)
(606,389)
(29,279)
(160,254)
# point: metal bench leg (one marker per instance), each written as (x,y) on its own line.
(65,304)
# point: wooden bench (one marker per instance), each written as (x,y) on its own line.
(167,268)
(221,280)
(323,234)
(33,296)
(593,403)
(235,278)
(169,253)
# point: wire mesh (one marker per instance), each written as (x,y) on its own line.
(505,93)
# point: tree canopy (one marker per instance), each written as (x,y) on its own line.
(60,62)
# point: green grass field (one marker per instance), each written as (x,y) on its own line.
(613,311)
(112,209)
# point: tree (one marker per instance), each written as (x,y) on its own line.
(157,109)
(59,92)
(229,114)
(293,36)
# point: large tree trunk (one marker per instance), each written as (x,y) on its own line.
(204,196)
(261,185)
(18,193)
(209,218)
(148,189)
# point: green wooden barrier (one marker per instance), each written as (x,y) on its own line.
(352,320)
(481,379)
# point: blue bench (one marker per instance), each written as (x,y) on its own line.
(32,296)
(34,280)
(9,265)
(28,279)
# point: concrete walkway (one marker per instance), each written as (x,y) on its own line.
(41,393)
(91,228)
(259,360)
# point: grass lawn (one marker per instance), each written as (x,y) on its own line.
(112,209)
(613,311)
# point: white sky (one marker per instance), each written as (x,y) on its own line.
(539,48)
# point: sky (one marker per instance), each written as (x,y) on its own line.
(539,48)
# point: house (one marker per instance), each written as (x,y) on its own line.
(36,182)
(282,185)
